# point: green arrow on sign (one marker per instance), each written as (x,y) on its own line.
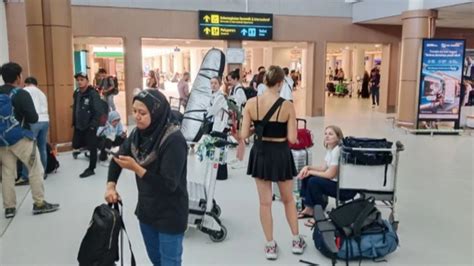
(206,31)
(206,18)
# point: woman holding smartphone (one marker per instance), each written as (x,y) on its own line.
(156,152)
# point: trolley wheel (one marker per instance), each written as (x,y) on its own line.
(75,155)
(219,236)
(273,197)
(216,210)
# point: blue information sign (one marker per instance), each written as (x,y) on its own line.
(235,26)
(440,81)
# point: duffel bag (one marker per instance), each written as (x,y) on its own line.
(357,157)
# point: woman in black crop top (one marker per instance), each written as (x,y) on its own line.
(270,157)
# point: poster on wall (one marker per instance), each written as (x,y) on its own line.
(440,82)
(468,79)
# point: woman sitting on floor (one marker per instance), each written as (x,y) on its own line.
(319,182)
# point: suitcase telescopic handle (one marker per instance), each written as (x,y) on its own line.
(300,120)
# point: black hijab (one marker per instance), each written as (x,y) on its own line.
(145,142)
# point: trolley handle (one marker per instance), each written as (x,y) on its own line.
(398,147)
(223,143)
(301,120)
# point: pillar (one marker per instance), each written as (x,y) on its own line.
(417,24)
(133,71)
(315,64)
(234,44)
(165,63)
(178,62)
(267,57)
(370,63)
(4,40)
(49,38)
(332,62)
(195,58)
(358,63)
(347,63)
(257,59)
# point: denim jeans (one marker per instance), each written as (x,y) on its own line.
(40,132)
(163,249)
(315,191)
(375,91)
(110,102)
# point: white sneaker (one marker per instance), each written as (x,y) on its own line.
(271,250)
(298,244)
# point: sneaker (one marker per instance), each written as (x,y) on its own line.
(88,172)
(45,208)
(298,244)
(22,182)
(271,250)
(10,212)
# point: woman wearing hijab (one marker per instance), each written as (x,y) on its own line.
(156,151)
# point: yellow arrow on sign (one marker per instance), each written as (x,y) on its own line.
(206,31)
(206,18)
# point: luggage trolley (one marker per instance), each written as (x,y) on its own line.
(377,181)
(203,210)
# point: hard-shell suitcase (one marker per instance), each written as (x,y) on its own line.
(302,158)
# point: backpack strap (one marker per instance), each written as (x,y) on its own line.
(132,259)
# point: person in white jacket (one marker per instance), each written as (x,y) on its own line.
(219,113)
(40,128)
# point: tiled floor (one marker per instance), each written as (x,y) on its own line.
(435,205)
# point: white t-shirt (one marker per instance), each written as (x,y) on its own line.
(219,111)
(287,89)
(40,102)
(332,156)
(261,88)
(238,95)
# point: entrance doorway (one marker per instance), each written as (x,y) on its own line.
(292,55)
(167,60)
(349,72)
(94,53)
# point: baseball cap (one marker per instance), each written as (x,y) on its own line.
(81,74)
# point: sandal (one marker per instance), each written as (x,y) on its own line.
(303,215)
(310,223)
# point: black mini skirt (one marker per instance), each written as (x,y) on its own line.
(272,161)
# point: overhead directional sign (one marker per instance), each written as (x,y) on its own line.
(235,26)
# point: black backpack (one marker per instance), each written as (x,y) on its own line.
(100,245)
(250,92)
(52,164)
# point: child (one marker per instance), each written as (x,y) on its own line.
(319,182)
(111,135)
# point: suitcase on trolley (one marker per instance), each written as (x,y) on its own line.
(302,158)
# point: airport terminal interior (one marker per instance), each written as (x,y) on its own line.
(396,70)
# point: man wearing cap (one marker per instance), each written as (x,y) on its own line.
(85,120)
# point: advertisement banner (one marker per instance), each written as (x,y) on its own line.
(440,81)
(468,79)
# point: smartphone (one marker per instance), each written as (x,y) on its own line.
(115,154)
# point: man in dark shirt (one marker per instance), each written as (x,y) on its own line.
(253,82)
(24,149)
(85,119)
